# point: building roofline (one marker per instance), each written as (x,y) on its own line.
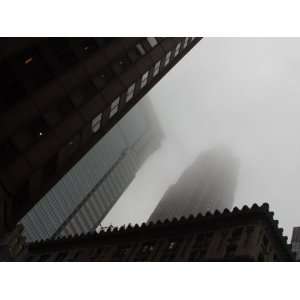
(262,212)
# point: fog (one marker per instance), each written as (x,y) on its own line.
(242,92)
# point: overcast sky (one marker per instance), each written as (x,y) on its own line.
(242,92)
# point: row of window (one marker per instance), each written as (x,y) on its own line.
(121,253)
(86,91)
(41,126)
(60,108)
(96,123)
(31,69)
(149,249)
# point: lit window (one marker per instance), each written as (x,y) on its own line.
(168,58)
(152,41)
(144,79)
(156,68)
(141,49)
(114,107)
(130,92)
(28,60)
(185,42)
(177,49)
(96,123)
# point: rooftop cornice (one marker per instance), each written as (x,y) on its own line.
(262,212)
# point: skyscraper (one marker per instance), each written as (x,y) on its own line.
(59,96)
(296,242)
(207,185)
(83,197)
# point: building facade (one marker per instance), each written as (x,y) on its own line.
(83,197)
(247,234)
(59,96)
(207,185)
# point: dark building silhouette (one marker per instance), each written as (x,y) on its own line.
(82,198)
(296,242)
(247,234)
(59,96)
(207,185)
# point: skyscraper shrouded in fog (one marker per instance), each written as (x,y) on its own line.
(59,97)
(83,197)
(207,185)
(296,242)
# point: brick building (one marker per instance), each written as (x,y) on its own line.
(59,96)
(247,234)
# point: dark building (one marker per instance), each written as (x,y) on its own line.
(296,242)
(249,234)
(82,198)
(59,96)
(207,185)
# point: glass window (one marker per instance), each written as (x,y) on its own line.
(130,92)
(114,107)
(96,123)
(185,42)
(156,68)
(141,49)
(168,58)
(152,41)
(144,79)
(177,49)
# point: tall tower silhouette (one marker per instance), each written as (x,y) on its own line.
(207,185)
